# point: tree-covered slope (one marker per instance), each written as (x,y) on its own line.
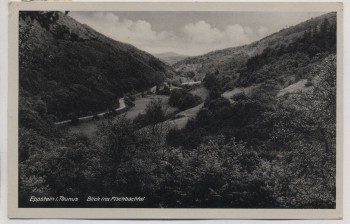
(292,135)
(288,63)
(227,64)
(260,149)
(170,57)
(74,69)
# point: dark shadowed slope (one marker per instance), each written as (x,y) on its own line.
(73,69)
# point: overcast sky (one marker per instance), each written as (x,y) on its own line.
(189,33)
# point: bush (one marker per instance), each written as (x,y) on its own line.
(176,83)
(128,102)
(164,91)
(175,137)
(239,97)
(204,116)
(190,74)
(154,114)
(131,97)
(214,93)
(183,100)
(309,83)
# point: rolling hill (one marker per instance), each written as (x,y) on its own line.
(72,69)
(267,143)
(170,57)
(228,63)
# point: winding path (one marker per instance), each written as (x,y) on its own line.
(121,107)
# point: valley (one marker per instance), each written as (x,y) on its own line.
(250,126)
(88,126)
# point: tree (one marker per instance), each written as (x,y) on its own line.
(313,113)
(116,138)
(154,114)
(175,137)
(211,81)
(128,101)
(324,29)
(217,174)
(183,100)
(305,131)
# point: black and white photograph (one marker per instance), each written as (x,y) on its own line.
(178,109)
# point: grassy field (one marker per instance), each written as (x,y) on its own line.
(89,128)
(181,118)
(248,91)
(141,103)
(298,86)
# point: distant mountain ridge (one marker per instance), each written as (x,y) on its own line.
(74,69)
(228,62)
(170,57)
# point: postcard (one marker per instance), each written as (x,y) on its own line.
(175,110)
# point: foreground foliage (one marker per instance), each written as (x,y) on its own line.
(287,160)
(256,151)
(74,69)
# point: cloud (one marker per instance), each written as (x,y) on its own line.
(232,35)
(192,38)
(125,30)
(202,32)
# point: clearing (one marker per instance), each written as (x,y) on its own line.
(180,120)
(296,87)
(90,127)
(247,91)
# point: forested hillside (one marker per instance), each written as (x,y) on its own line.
(290,138)
(256,150)
(170,57)
(71,68)
(230,64)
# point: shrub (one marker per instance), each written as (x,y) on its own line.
(164,91)
(214,93)
(128,102)
(175,137)
(183,100)
(176,83)
(154,114)
(131,97)
(239,97)
(309,83)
